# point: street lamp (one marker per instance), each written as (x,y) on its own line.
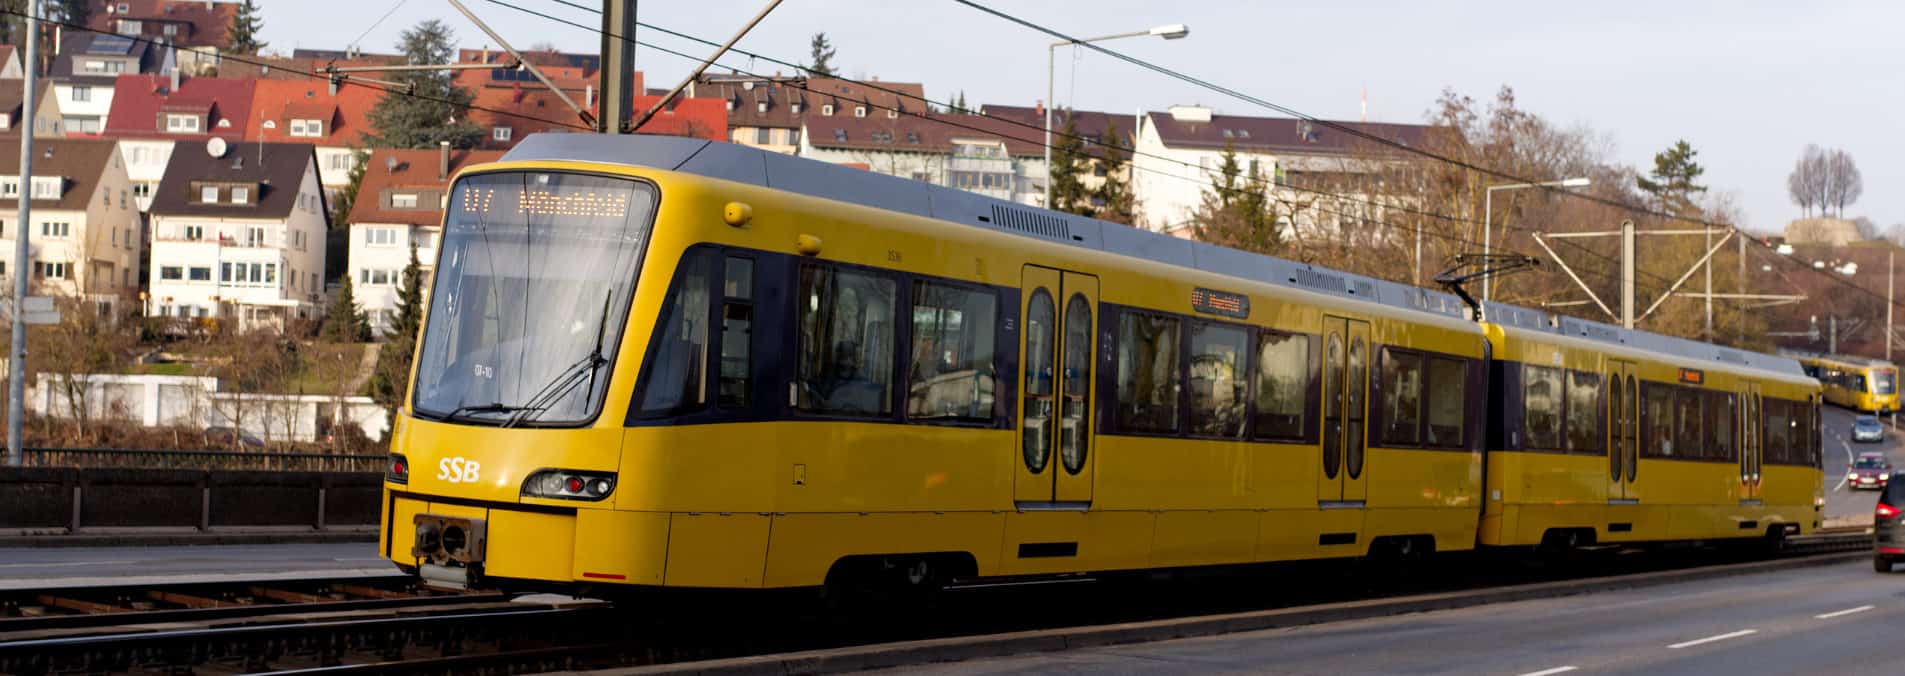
(1488,214)
(1172,31)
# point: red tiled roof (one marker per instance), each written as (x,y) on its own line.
(137,101)
(209,23)
(412,169)
(346,114)
(532,109)
(1278,134)
(933,133)
(749,93)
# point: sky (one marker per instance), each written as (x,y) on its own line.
(1748,83)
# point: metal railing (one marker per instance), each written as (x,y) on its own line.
(208,460)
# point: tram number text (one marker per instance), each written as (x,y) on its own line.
(457,470)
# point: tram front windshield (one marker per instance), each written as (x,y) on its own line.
(1884,381)
(530,296)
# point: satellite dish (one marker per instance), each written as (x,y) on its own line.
(390,163)
(215,147)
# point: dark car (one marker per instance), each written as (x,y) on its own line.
(1867,428)
(1888,529)
(1869,471)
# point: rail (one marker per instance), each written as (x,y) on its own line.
(225,460)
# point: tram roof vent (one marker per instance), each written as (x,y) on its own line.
(1031,222)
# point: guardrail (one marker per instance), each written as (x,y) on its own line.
(207,460)
(51,500)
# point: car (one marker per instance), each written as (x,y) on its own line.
(1867,428)
(1869,471)
(1888,528)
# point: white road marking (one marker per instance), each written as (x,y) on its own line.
(64,564)
(1551,672)
(1710,639)
(1848,460)
(1837,613)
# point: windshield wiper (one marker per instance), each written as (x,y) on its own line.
(497,407)
(559,387)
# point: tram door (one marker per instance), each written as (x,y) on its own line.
(1752,442)
(1623,426)
(1344,477)
(1060,318)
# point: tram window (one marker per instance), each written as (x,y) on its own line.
(737,321)
(1541,405)
(1148,377)
(1721,419)
(1778,430)
(1584,413)
(1218,386)
(951,376)
(846,342)
(1687,416)
(1658,408)
(1448,388)
(1283,384)
(1401,397)
(675,384)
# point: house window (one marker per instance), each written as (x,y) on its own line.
(341,161)
(195,232)
(762,106)
(794,107)
(499,133)
(255,235)
(763,136)
(403,201)
(172,272)
(859,111)
(95,66)
(380,237)
(142,190)
(840,135)
(56,229)
(171,30)
(208,194)
(241,195)
(893,114)
(793,137)
(182,123)
(307,128)
(82,93)
(826,109)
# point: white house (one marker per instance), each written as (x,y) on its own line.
(85,233)
(970,152)
(1177,152)
(238,234)
(86,70)
(399,205)
(308,111)
(151,112)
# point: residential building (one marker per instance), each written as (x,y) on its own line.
(46,110)
(151,112)
(508,113)
(308,111)
(10,63)
(767,112)
(201,27)
(991,157)
(399,205)
(1177,151)
(86,70)
(85,231)
(238,234)
(1090,125)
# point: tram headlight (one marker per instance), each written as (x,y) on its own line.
(563,484)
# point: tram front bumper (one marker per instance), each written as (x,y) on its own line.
(463,544)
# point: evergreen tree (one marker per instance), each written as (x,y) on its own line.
(344,322)
(1673,181)
(1113,197)
(822,55)
(347,198)
(76,12)
(1066,174)
(1236,209)
(436,110)
(392,375)
(243,32)
(959,104)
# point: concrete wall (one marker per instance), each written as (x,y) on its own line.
(154,400)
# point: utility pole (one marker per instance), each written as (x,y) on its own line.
(1742,291)
(1832,334)
(618,67)
(1627,274)
(1890,261)
(1709,267)
(16,365)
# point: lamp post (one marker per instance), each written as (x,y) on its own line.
(1168,31)
(1488,214)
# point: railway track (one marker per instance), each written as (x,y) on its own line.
(388,626)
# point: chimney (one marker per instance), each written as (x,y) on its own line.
(443,160)
(175,78)
(588,96)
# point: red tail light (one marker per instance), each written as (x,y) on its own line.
(1885,511)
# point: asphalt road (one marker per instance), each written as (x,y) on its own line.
(52,567)
(1841,500)
(1840,619)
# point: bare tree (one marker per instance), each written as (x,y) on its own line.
(1868,230)
(1843,182)
(1800,185)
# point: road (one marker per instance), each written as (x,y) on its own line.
(1838,619)
(55,567)
(1841,500)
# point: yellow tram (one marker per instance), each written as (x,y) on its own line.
(667,362)
(1858,383)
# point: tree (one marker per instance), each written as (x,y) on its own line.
(1673,182)
(1236,209)
(1113,197)
(822,54)
(959,104)
(243,32)
(1806,185)
(75,12)
(392,375)
(1069,163)
(347,198)
(71,354)
(1844,185)
(436,110)
(344,320)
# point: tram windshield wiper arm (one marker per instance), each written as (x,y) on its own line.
(559,387)
(496,407)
